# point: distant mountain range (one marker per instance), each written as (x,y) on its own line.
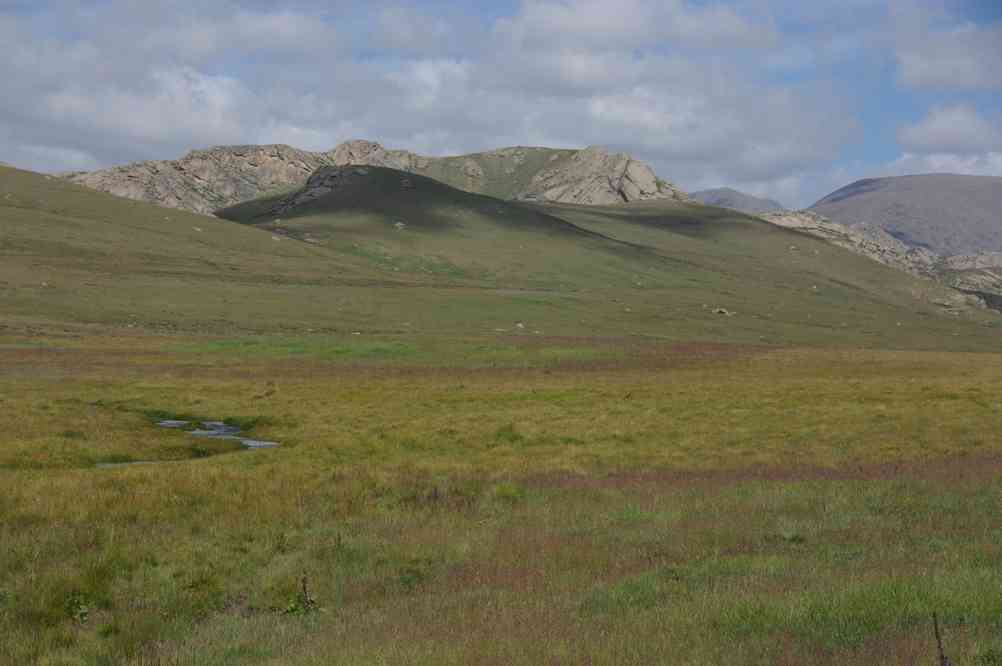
(204,181)
(725,197)
(948,214)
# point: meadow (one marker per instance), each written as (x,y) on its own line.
(510,434)
(511,500)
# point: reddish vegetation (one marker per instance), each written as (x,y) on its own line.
(957,468)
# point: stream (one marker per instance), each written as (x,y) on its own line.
(208,429)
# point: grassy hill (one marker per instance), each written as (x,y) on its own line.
(374,256)
(501,177)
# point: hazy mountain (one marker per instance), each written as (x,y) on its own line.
(204,181)
(949,214)
(725,197)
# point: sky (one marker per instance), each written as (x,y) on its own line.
(790,99)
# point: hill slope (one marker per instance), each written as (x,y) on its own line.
(377,256)
(206,180)
(726,197)
(949,214)
(977,275)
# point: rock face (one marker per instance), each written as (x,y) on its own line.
(597,178)
(726,197)
(978,276)
(204,181)
(868,241)
(949,214)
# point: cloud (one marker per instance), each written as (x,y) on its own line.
(934,50)
(952,129)
(408,30)
(631,23)
(176,103)
(950,139)
(986,164)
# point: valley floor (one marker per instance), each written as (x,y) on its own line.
(496,500)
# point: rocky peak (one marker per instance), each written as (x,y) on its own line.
(206,180)
(358,151)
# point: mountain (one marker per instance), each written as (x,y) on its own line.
(949,214)
(726,197)
(204,181)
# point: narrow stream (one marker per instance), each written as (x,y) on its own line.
(218,430)
(209,429)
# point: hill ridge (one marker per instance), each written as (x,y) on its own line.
(208,179)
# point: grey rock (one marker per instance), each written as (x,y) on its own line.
(596,177)
(206,180)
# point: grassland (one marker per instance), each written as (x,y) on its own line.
(664,504)
(640,481)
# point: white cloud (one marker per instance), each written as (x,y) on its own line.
(428,83)
(987,164)
(632,23)
(174,103)
(408,30)
(934,50)
(952,129)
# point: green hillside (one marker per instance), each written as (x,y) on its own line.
(375,256)
(502,178)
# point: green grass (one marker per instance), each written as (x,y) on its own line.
(711,505)
(466,266)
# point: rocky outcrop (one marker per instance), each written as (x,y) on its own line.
(598,178)
(204,181)
(591,176)
(978,276)
(868,241)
